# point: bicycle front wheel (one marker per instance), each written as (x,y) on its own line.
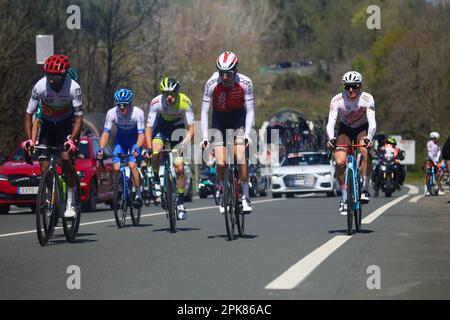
(170,203)
(350,202)
(229,202)
(120,204)
(71,225)
(46,209)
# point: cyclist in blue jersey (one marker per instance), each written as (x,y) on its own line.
(129,121)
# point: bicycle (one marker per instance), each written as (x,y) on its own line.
(123,201)
(52,198)
(148,188)
(432,186)
(169,197)
(353,187)
(232,195)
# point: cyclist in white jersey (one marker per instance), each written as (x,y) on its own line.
(62,117)
(355,110)
(129,121)
(433,156)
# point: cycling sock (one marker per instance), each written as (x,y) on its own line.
(180,198)
(366,183)
(343,192)
(138,192)
(245,190)
(70,195)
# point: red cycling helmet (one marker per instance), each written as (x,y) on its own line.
(56,64)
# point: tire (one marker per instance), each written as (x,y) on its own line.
(135,213)
(91,203)
(170,203)
(72,225)
(202,193)
(290,195)
(350,202)
(276,195)
(331,194)
(4,208)
(120,206)
(46,212)
(358,214)
(388,184)
(229,203)
(263,194)
(240,220)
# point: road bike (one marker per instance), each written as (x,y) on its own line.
(353,187)
(124,195)
(432,186)
(52,199)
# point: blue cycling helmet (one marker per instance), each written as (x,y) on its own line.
(123,96)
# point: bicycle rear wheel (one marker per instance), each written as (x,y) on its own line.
(71,225)
(46,210)
(170,203)
(229,201)
(119,202)
(135,213)
(350,202)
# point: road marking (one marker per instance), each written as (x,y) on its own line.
(412,189)
(370,218)
(142,216)
(416,198)
(302,269)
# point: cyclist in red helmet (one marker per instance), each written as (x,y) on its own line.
(62,117)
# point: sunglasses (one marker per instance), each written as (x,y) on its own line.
(123,105)
(172,93)
(352,86)
(228,73)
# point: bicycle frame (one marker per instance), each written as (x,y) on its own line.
(352,166)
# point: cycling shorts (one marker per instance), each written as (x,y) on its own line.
(53,134)
(223,121)
(163,130)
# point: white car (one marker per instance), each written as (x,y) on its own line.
(304,172)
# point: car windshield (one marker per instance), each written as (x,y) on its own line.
(83,153)
(306,159)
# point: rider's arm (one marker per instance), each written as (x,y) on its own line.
(250,108)
(207,97)
(110,117)
(189,116)
(35,129)
(140,128)
(150,124)
(31,109)
(332,117)
(371,119)
(77,103)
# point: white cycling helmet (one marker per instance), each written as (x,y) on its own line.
(352,77)
(227,61)
(434,135)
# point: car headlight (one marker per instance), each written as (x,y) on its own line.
(383,168)
(325,174)
(3,177)
(81,174)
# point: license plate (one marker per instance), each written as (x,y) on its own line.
(27,190)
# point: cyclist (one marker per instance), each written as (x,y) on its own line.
(231,95)
(434,153)
(392,151)
(129,121)
(62,117)
(73,74)
(356,112)
(168,113)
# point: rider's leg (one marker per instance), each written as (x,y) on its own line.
(243,167)
(68,169)
(181,178)
(366,171)
(340,156)
(221,158)
(157,147)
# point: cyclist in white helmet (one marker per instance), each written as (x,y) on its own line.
(434,153)
(355,110)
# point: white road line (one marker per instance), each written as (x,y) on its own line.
(412,189)
(416,198)
(370,218)
(302,269)
(142,216)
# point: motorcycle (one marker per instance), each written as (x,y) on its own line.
(207,184)
(387,175)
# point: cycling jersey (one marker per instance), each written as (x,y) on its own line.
(434,151)
(224,99)
(56,106)
(352,113)
(129,126)
(171,113)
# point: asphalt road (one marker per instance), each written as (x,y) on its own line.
(293,249)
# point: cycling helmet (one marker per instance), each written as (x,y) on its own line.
(392,141)
(169,85)
(434,135)
(73,74)
(123,96)
(227,61)
(352,77)
(56,64)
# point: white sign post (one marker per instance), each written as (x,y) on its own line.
(44,48)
